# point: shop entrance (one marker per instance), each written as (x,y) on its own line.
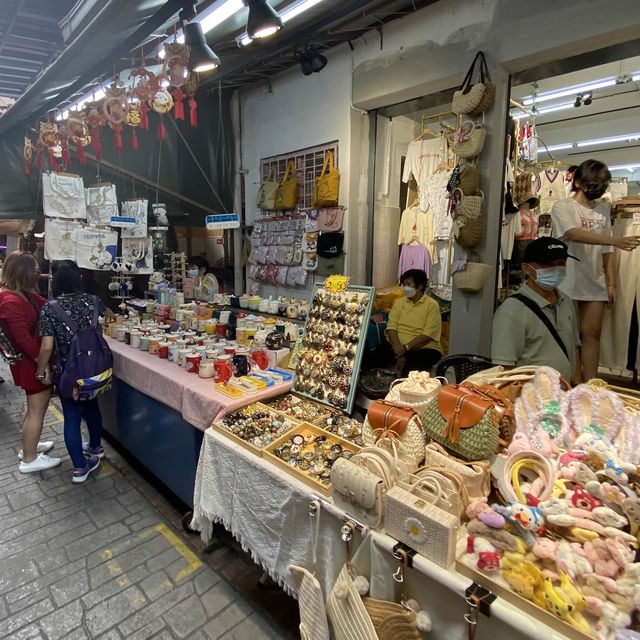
(561,117)
(411,224)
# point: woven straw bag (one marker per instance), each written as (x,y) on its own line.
(469,179)
(468,232)
(422,526)
(473,278)
(464,420)
(467,141)
(392,621)
(415,391)
(440,486)
(476,475)
(474,99)
(347,613)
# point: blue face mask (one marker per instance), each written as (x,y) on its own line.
(550,277)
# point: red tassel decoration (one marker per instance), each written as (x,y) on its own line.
(39,160)
(162,132)
(57,168)
(27,167)
(52,159)
(95,142)
(117,130)
(193,112)
(144,117)
(178,105)
(82,159)
(134,139)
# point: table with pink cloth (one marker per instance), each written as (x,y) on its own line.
(194,398)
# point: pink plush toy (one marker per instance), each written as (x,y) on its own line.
(545,549)
(479,508)
(571,559)
(608,557)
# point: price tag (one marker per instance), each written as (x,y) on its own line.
(222,221)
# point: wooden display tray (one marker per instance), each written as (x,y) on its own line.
(500,588)
(219,428)
(304,428)
(328,410)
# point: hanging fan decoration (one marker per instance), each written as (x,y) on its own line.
(114,108)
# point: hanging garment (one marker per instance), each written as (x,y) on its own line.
(102,204)
(614,342)
(414,256)
(423,158)
(441,273)
(412,226)
(96,248)
(437,201)
(551,189)
(528,225)
(60,239)
(511,228)
(585,276)
(63,196)
(523,188)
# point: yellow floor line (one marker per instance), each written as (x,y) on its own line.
(194,563)
(56,412)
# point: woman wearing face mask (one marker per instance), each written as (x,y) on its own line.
(415,325)
(546,331)
(584,223)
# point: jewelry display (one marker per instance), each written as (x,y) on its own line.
(300,408)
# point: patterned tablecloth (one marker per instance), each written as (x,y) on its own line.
(191,396)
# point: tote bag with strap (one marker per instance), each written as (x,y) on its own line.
(266,198)
(327,188)
(287,195)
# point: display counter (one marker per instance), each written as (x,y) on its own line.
(267,511)
(157,413)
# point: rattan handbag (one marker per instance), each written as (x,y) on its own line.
(401,425)
(392,621)
(474,99)
(468,206)
(422,526)
(469,179)
(468,232)
(475,475)
(467,141)
(464,419)
(414,391)
(313,615)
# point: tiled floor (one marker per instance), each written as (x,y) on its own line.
(107,559)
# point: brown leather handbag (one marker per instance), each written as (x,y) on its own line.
(384,417)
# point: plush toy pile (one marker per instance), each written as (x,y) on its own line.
(561,528)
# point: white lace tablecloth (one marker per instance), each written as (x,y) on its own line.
(191,396)
(265,509)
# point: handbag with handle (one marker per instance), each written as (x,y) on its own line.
(443,486)
(392,621)
(63,196)
(468,232)
(327,186)
(330,219)
(475,475)
(266,198)
(474,98)
(463,419)
(468,206)
(467,141)
(313,615)
(287,195)
(387,421)
(469,179)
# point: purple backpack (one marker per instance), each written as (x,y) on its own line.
(89,367)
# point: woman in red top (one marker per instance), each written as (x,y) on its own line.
(20,314)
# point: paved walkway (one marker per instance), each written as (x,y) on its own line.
(105,560)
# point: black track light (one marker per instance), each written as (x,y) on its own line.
(201,56)
(263,20)
(587,98)
(311,61)
(578,101)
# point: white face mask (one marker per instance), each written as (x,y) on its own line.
(409,291)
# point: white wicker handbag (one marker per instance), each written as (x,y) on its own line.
(476,476)
(313,615)
(414,391)
(421,525)
(468,140)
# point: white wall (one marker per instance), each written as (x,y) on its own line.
(423,53)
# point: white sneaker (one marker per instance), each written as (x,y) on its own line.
(44,446)
(42,462)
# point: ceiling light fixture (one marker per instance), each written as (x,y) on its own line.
(554,147)
(543,111)
(201,56)
(289,13)
(263,20)
(568,91)
(621,167)
(627,137)
(311,61)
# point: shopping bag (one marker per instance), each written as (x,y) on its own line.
(327,187)
(63,196)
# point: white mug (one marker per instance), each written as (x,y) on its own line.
(207,369)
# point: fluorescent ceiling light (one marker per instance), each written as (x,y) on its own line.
(571,90)
(554,147)
(541,112)
(291,12)
(635,77)
(627,137)
(628,167)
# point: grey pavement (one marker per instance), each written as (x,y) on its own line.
(104,559)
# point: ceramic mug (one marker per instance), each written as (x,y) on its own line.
(120,334)
(261,359)
(154,346)
(173,353)
(182,356)
(241,365)
(222,366)
(144,343)
(207,369)
(163,350)
(192,363)
(135,339)
(224,317)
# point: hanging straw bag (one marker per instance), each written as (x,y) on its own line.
(469,206)
(474,99)
(467,141)
(266,198)
(313,615)
(287,195)
(473,277)
(327,187)
(468,179)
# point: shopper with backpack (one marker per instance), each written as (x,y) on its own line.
(82,363)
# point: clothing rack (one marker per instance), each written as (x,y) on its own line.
(440,118)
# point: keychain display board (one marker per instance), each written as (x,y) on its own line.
(332,349)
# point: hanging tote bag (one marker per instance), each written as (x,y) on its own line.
(313,615)
(63,196)
(467,141)
(473,277)
(287,195)
(327,188)
(474,98)
(330,219)
(102,204)
(266,198)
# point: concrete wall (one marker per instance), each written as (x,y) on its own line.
(423,53)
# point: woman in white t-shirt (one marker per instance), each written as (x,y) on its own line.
(584,224)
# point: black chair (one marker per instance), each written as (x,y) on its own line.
(463,365)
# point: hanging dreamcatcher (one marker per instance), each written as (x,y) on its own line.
(144,85)
(49,139)
(176,57)
(95,119)
(78,133)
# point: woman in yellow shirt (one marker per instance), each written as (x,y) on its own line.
(415,325)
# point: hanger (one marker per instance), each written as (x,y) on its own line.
(426,130)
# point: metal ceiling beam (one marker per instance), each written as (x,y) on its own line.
(12,21)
